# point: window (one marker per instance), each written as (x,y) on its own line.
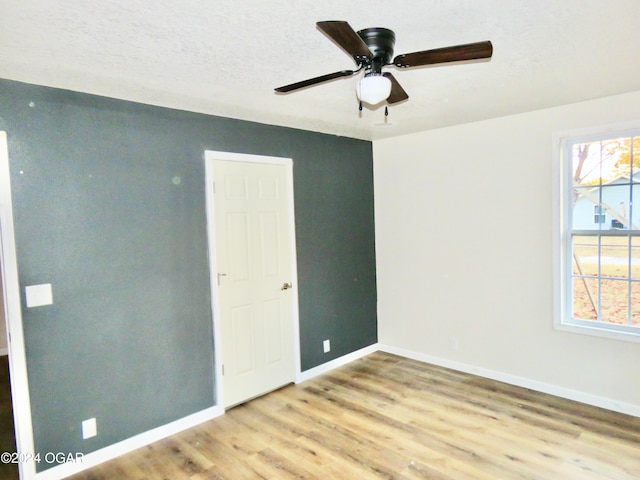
(600,235)
(599,215)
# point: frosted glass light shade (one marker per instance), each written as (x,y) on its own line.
(373,89)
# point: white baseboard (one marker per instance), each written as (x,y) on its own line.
(112,451)
(4,351)
(570,394)
(338,362)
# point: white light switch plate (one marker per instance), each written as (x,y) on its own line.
(89,428)
(39,295)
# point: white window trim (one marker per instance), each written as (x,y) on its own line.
(561,168)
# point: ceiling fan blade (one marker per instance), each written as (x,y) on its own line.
(314,81)
(397,92)
(469,51)
(342,33)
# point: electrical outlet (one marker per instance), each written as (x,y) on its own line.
(89,428)
(326,346)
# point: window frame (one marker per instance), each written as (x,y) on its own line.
(563,232)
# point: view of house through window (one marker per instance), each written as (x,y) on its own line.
(602,250)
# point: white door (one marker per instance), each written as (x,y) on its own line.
(254,277)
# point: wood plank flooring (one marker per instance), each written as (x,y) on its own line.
(7,434)
(386,417)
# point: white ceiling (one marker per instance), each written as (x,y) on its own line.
(225,57)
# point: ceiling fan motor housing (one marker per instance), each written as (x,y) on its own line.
(381,42)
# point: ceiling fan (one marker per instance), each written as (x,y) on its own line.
(372,49)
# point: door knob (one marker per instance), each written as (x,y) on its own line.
(286,286)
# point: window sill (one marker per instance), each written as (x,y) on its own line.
(598,331)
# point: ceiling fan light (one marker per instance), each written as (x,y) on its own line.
(373,89)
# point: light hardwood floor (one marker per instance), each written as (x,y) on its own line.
(387,417)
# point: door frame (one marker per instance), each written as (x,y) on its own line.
(13,317)
(210,156)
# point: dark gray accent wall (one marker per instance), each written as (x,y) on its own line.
(109,207)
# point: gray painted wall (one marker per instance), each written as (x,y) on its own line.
(100,215)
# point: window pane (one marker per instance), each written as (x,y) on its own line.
(636,154)
(607,164)
(635,304)
(585,298)
(614,199)
(585,163)
(614,257)
(586,209)
(585,255)
(634,202)
(635,258)
(616,159)
(614,298)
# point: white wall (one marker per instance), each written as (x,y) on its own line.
(464,255)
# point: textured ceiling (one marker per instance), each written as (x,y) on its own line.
(225,57)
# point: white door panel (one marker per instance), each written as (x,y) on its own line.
(253,258)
